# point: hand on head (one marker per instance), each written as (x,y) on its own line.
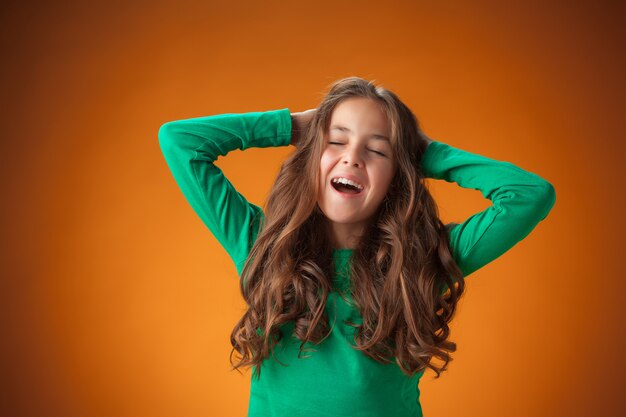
(299,123)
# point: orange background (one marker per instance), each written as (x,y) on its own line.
(117,301)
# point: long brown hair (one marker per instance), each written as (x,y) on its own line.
(404,280)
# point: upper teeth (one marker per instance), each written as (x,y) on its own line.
(347,181)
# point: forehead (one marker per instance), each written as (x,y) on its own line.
(361,115)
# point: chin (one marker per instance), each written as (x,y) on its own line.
(344,218)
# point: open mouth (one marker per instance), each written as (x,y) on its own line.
(346,187)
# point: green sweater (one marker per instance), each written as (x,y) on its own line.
(335,379)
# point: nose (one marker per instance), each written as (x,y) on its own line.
(352,158)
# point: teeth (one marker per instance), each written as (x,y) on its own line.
(347,181)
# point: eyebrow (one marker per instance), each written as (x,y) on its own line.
(345,129)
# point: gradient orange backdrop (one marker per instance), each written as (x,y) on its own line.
(117,301)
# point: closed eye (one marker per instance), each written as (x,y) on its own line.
(371,150)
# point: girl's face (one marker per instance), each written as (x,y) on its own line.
(357,148)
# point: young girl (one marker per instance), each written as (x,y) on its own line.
(350,277)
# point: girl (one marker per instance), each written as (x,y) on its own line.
(349,275)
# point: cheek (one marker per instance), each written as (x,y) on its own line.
(385,175)
(325,163)
(323,171)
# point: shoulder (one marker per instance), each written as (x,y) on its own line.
(450,226)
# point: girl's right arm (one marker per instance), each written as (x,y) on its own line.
(190,148)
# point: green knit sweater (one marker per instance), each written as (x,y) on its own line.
(335,379)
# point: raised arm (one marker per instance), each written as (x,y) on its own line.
(520,200)
(190,148)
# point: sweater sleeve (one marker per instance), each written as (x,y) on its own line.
(520,200)
(191,147)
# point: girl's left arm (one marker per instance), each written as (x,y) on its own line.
(520,200)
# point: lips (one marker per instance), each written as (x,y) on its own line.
(351,178)
(346,195)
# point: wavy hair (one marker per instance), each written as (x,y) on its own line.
(403,278)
